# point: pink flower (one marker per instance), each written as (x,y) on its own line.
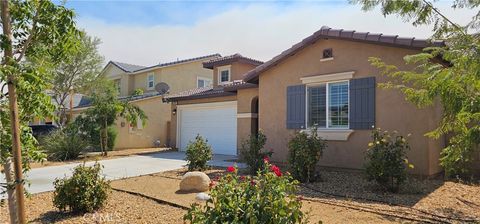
(266,159)
(212,184)
(276,170)
(231,169)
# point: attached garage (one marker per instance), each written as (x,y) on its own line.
(217,122)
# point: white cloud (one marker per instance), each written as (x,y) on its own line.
(257,31)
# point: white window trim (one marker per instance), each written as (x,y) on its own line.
(220,69)
(204,79)
(148,80)
(327,133)
(342,76)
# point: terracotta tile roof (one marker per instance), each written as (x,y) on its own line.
(203,92)
(351,35)
(229,59)
(238,84)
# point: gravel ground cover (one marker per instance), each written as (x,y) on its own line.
(341,197)
(120,208)
(441,200)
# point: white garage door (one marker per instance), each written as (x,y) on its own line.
(217,122)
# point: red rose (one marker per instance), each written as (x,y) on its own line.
(276,170)
(242,178)
(252,182)
(266,159)
(231,169)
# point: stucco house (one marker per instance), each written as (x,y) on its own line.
(326,80)
(179,75)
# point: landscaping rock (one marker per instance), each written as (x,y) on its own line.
(195,182)
(203,197)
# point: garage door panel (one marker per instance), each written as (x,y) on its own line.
(217,124)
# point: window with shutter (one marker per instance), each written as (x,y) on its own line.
(296,98)
(362,101)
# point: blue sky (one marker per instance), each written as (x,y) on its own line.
(149,13)
(150,32)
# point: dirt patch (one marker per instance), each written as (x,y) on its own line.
(93,157)
(120,208)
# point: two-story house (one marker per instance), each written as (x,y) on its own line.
(179,75)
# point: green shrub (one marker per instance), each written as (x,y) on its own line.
(137,92)
(85,191)
(90,131)
(386,161)
(198,154)
(268,197)
(62,145)
(253,154)
(304,152)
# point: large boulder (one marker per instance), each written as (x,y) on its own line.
(195,182)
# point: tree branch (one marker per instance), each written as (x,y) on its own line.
(444,17)
(30,38)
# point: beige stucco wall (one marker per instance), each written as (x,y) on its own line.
(180,77)
(156,127)
(392,111)
(245,125)
(237,69)
(112,72)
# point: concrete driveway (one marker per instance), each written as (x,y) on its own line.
(41,179)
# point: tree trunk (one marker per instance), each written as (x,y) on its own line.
(106,138)
(7,168)
(14,119)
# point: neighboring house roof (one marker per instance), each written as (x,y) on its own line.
(127,67)
(328,33)
(131,68)
(86,102)
(177,62)
(229,59)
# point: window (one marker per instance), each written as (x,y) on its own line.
(150,81)
(328,53)
(224,76)
(328,105)
(204,82)
(117,84)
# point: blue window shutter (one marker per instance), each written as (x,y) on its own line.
(296,107)
(362,103)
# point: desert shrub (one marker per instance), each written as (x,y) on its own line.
(268,197)
(252,152)
(386,160)
(63,145)
(198,154)
(85,191)
(305,149)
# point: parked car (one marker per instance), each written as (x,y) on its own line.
(43,129)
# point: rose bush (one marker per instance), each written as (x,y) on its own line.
(268,197)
